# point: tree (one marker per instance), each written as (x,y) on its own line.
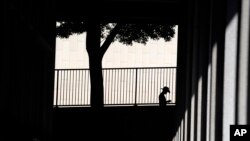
(110,32)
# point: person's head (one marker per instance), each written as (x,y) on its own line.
(165,90)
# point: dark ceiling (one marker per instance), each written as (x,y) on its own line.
(121,10)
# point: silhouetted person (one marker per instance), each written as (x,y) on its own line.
(162,98)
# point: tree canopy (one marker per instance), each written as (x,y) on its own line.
(127,34)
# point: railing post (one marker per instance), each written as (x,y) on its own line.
(57,79)
(136,70)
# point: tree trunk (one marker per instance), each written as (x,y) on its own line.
(96,81)
(95,63)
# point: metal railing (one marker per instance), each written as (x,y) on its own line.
(122,86)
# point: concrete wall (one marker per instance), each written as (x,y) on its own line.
(27,63)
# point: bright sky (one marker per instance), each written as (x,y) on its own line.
(71,53)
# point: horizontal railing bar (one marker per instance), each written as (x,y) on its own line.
(108,105)
(69,106)
(141,104)
(70,69)
(143,68)
(73,105)
(118,104)
(122,68)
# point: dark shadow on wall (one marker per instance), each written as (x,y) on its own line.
(208,27)
(114,123)
(27,59)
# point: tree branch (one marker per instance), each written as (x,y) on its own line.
(110,38)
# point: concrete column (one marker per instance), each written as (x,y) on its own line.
(230,68)
(243,63)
